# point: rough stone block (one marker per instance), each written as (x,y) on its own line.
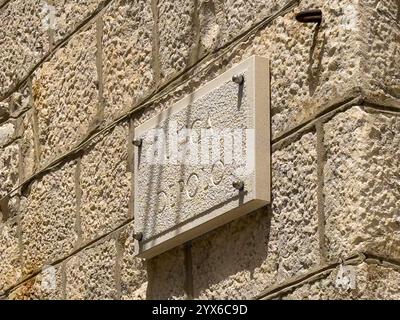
(68,15)
(177,36)
(106,185)
(127,55)
(24,41)
(7,133)
(380,25)
(91,274)
(67,105)
(362,185)
(265,249)
(166,276)
(10,266)
(371,282)
(48,218)
(47,285)
(9,160)
(133,271)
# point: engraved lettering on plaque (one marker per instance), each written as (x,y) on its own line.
(205,161)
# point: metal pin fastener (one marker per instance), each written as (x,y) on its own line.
(137,142)
(138,236)
(239,79)
(239,185)
(310,16)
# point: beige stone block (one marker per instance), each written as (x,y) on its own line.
(10,266)
(48,218)
(24,41)
(177,36)
(28,148)
(371,282)
(127,55)
(133,270)
(105,181)
(91,274)
(9,161)
(69,15)
(167,276)
(47,285)
(240,260)
(66,95)
(361,190)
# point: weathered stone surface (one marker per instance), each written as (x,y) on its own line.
(372,282)
(106,183)
(91,273)
(47,285)
(68,15)
(7,133)
(24,41)
(265,249)
(362,185)
(10,266)
(127,55)
(9,160)
(133,271)
(67,105)
(28,150)
(177,36)
(166,276)
(380,25)
(48,218)
(294,206)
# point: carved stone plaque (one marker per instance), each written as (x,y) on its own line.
(205,161)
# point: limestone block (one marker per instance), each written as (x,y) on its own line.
(7,133)
(47,285)
(371,282)
(380,23)
(106,183)
(127,55)
(48,218)
(362,188)
(24,41)
(133,271)
(10,266)
(265,248)
(166,276)
(28,151)
(177,36)
(68,15)
(9,161)
(90,274)
(67,105)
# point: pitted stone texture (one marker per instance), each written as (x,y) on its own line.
(28,152)
(24,41)
(106,183)
(9,162)
(236,261)
(362,185)
(380,23)
(66,96)
(133,271)
(47,285)
(177,36)
(265,249)
(91,275)
(294,207)
(372,282)
(7,133)
(10,266)
(166,274)
(127,55)
(70,14)
(48,218)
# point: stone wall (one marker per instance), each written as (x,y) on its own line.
(76,77)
